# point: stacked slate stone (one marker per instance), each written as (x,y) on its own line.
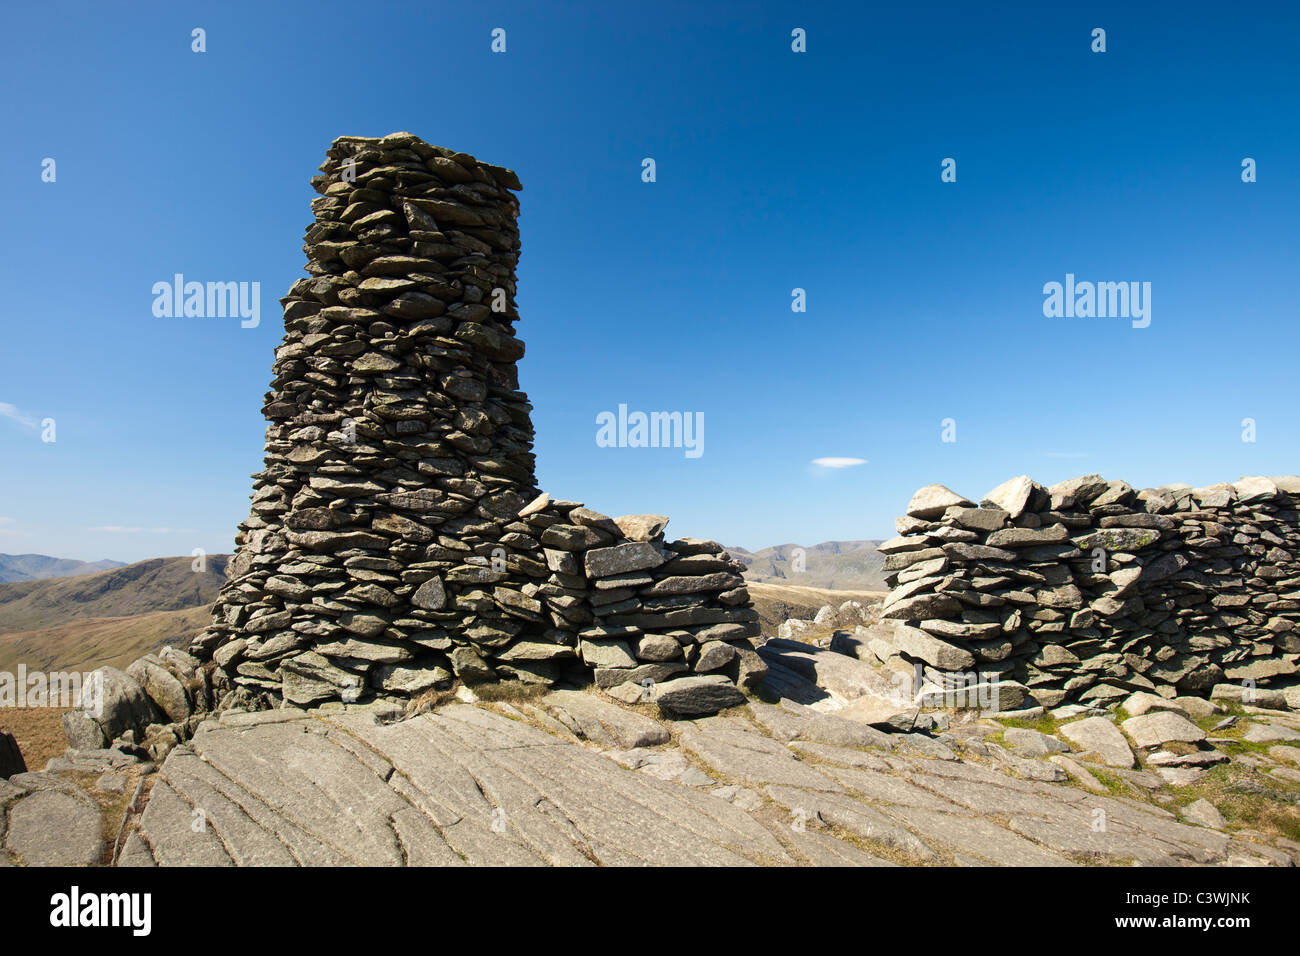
(1090,589)
(389,548)
(645,612)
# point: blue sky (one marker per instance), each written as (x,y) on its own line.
(775,170)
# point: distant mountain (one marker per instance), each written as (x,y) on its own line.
(836,565)
(34,567)
(159,584)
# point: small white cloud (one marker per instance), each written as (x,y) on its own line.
(838,462)
(18,415)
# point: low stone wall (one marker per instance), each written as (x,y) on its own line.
(1090,589)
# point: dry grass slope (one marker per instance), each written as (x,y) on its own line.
(159,584)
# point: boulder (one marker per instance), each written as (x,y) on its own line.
(933,500)
(699,696)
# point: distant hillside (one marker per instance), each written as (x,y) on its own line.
(97,642)
(776,603)
(34,567)
(837,565)
(159,584)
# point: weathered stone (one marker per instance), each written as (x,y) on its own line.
(1012,496)
(933,500)
(1161,727)
(1100,738)
(932,650)
(696,696)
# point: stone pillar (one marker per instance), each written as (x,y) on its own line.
(392,543)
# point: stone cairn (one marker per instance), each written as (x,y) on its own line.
(397,539)
(1090,590)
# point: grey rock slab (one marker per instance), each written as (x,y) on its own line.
(1080,774)
(1260,733)
(822,849)
(933,500)
(697,695)
(843,756)
(1082,839)
(606,653)
(1012,496)
(421,842)
(1161,727)
(168,824)
(647,821)
(976,837)
(626,728)
(135,852)
(1204,813)
(1032,743)
(618,816)
(984,797)
(622,559)
(1027,768)
(1100,737)
(752,759)
(842,810)
(931,649)
(881,789)
(278,793)
(787,724)
(54,828)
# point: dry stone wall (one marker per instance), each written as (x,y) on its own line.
(397,538)
(1090,589)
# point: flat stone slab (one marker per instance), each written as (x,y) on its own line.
(512,785)
(1266,733)
(54,828)
(1162,727)
(463,786)
(751,758)
(1101,738)
(605,723)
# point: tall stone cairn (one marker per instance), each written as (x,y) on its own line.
(397,538)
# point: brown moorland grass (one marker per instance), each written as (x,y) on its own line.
(39,732)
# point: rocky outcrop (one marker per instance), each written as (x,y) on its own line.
(397,539)
(11,758)
(1091,590)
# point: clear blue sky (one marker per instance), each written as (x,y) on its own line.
(776,170)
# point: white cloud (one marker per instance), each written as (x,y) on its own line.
(838,462)
(18,415)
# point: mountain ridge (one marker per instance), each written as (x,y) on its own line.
(38,567)
(853,565)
